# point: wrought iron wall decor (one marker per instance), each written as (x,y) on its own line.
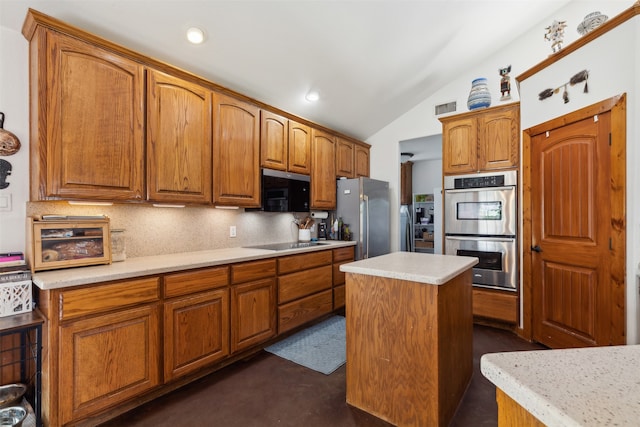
(580,77)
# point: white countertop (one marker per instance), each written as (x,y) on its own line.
(158,264)
(412,266)
(597,386)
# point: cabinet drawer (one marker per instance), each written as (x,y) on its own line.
(248,271)
(338,276)
(303,283)
(343,254)
(292,263)
(304,310)
(112,296)
(338,296)
(195,281)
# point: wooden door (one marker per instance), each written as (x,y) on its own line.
(499,138)
(361,161)
(571,232)
(95,117)
(345,158)
(178,140)
(299,148)
(107,359)
(236,152)
(274,144)
(253,313)
(196,332)
(460,145)
(323,170)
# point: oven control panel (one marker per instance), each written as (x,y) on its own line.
(481,180)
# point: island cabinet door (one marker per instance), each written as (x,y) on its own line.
(107,359)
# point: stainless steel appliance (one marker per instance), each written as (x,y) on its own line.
(481,221)
(363,204)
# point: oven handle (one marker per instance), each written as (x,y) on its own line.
(484,239)
(475,190)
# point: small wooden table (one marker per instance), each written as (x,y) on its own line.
(409,336)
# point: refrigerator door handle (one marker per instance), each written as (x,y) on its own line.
(365,198)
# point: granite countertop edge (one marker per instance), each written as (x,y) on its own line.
(431,269)
(570,387)
(159,264)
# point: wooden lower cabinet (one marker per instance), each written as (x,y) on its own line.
(253,302)
(196,332)
(340,256)
(111,346)
(305,291)
(107,359)
(495,305)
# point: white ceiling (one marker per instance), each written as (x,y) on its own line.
(371,61)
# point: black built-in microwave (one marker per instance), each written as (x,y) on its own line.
(284,191)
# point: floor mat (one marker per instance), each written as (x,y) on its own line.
(321,347)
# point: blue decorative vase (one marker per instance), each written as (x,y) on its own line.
(479,97)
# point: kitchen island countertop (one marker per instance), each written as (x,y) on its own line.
(412,266)
(158,264)
(597,386)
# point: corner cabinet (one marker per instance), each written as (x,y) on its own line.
(361,161)
(323,170)
(178,140)
(481,140)
(74,153)
(236,152)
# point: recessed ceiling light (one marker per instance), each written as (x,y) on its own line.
(195,35)
(312,96)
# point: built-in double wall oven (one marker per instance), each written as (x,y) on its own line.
(480,220)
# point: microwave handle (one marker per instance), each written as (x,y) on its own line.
(481,239)
(475,190)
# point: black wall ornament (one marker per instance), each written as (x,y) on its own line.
(5,171)
(9,143)
(580,77)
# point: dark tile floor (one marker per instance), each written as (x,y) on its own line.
(267,391)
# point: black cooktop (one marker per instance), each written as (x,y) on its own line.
(286,245)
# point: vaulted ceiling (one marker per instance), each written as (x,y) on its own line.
(370,60)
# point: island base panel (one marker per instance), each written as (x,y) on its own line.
(511,414)
(409,347)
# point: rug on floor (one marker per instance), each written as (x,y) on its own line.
(321,347)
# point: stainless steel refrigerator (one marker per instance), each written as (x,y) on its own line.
(363,204)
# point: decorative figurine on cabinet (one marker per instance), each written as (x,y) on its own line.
(505,83)
(555,34)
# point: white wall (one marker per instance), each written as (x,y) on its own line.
(613,70)
(605,58)
(427,175)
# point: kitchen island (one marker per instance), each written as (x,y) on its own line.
(597,386)
(409,336)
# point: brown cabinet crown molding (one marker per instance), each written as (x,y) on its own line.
(34,19)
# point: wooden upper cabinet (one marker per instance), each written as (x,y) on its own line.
(345,158)
(499,139)
(481,140)
(361,161)
(323,175)
(179,134)
(87,138)
(299,148)
(460,146)
(274,141)
(406,183)
(236,152)
(284,144)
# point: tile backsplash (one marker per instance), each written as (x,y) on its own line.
(159,231)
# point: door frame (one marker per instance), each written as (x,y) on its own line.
(617,105)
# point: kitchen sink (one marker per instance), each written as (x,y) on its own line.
(287,245)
